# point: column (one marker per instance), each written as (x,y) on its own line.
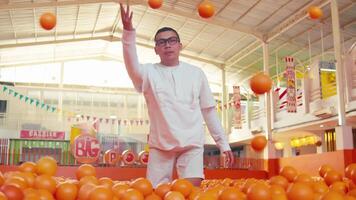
(343,132)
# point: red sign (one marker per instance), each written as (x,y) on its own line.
(128,157)
(86,148)
(143,157)
(42,134)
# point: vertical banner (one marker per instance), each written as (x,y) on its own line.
(237,106)
(291,91)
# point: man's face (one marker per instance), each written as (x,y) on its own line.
(168,47)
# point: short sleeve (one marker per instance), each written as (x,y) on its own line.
(206,98)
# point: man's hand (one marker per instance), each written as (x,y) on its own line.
(229,158)
(126,17)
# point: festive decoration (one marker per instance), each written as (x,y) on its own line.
(71,116)
(85,148)
(291,91)
(111,157)
(48,21)
(143,157)
(237,105)
(128,157)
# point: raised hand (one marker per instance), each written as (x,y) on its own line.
(126,17)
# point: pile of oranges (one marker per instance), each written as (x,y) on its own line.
(37,181)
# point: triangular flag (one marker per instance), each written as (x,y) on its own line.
(27,98)
(31,101)
(43,105)
(21,96)
(37,103)
(15,94)
(4,88)
(53,109)
(11,91)
(47,107)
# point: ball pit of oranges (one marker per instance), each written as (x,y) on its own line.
(37,181)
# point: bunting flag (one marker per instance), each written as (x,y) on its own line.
(71,116)
(291,90)
(237,106)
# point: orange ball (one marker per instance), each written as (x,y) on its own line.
(85,170)
(48,21)
(315,12)
(46,165)
(258,143)
(260,83)
(206,9)
(155,4)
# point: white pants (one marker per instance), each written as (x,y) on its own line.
(188,162)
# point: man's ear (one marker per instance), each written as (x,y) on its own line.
(180,46)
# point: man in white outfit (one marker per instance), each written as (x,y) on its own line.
(178,99)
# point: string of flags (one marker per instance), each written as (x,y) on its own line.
(71,116)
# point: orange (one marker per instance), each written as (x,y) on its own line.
(340,187)
(332,195)
(28,167)
(155,3)
(131,194)
(258,191)
(143,185)
(66,191)
(183,186)
(46,182)
(153,196)
(101,193)
(288,172)
(119,189)
(88,179)
(48,21)
(300,191)
(305,178)
(231,193)
(206,9)
(260,83)
(162,189)
(315,12)
(106,182)
(258,143)
(46,165)
(12,192)
(85,190)
(279,180)
(323,169)
(85,170)
(348,170)
(332,176)
(174,195)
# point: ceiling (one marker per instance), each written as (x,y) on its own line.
(232,39)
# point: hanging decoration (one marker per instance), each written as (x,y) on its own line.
(71,116)
(237,106)
(291,87)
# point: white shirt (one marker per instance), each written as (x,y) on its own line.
(175,96)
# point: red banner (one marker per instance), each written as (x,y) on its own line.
(237,105)
(291,85)
(42,134)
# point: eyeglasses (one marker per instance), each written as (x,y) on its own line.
(170,41)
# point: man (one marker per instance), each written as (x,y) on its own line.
(178,97)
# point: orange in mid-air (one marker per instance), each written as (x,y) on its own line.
(48,21)
(155,4)
(206,9)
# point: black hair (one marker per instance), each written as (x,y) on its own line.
(164,29)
